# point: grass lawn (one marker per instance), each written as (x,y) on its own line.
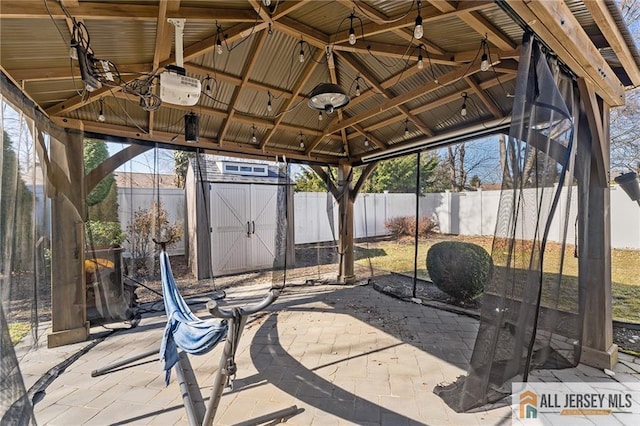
(18,330)
(398,256)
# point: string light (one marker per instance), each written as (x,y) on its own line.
(269,106)
(484,64)
(301,51)
(463,111)
(366,141)
(267,3)
(254,139)
(357,87)
(352,33)
(319,115)
(420,63)
(101,117)
(418,31)
(219,45)
(301,140)
(406,128)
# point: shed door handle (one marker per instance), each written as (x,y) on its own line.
(253,227)
(248,229)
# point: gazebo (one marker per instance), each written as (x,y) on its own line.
(341,83)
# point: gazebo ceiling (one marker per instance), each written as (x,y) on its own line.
(259,84)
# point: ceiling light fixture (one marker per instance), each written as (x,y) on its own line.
(406,128)
(254,139)
(420,63)
(191,128)
(319,115)
(101,117)
(301,140)
(269,106)
(418,31)
(463,111)
(328,97)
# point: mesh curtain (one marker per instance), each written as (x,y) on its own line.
(531,316)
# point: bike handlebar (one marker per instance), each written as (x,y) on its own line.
(218,312)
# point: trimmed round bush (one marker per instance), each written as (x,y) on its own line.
(459,269)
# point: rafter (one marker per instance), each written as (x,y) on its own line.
(570,42)
(360,69)
(394,51)
(302,80)
(430,86)
(36,9)
(484,98)
(483,27)
(610,30)
(246,72)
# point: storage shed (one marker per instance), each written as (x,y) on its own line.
(234,209)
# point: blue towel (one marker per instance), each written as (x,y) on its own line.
(184,330)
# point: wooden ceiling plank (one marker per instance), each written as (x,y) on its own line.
(287,7)
(36,9)
(484,98)
(554,23)
(334,79)
(610,30)
(296,29)
(443,6)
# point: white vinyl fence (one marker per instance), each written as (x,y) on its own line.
(466,213)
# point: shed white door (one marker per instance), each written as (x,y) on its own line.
(243,219)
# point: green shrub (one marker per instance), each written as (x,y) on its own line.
(103,234)
(405,226)
(459,269)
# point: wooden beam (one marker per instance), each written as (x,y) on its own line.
(364,72)
(599,145)
(331,187)
(394,51)
(246,72)
(302,81)
(610,30)
(430,86)
(207,144)
(484,98)
(554,23)
(63,73)
(334,79)
(363,177)
(35,9)
(483,27)
(94,177)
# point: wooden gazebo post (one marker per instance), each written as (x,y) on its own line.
(345,193)
(594,262)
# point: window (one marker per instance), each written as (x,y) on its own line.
(245,169)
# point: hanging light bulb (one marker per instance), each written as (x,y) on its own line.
(366,141)
(406,128)
(101,117)
(267,3)
(254,139)
(301,140)
(352,36)
(420,64)
(319,115)
(269,106)
(463,111)
(357,89)
(352,33)
(418,31)
(484,65)
(301,52)
(219,46)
